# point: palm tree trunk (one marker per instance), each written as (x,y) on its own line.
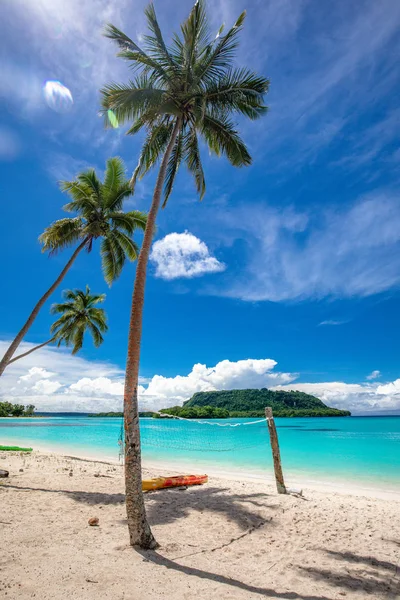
(30,351)
(139,530)
(19,337)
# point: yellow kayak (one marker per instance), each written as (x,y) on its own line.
(159,483)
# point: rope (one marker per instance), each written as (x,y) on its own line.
(203,422)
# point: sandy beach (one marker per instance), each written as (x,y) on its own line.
(226,539)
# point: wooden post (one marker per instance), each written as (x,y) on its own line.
(280,483)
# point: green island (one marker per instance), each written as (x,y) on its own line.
(245,403)
(7,409)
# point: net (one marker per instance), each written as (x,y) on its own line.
(177,433)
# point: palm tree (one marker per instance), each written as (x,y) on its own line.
(78,315)
(99,214)
(182,91)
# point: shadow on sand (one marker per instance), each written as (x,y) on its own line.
(162,561)
(366,578)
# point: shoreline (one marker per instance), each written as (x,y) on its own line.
(294,481)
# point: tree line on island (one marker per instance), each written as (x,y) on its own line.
(245,403)
(7,409)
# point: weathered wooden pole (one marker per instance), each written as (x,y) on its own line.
(273,436)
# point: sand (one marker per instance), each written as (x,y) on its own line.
(228,539)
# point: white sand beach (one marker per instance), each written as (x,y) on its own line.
(226,539)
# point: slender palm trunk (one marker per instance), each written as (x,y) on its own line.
(139,530)
(30,351)
(19,337)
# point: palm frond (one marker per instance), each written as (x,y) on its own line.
(193,160)
(129,247)
(155,143)
(77,338)
(98,316)
(195,36)
(96,334)
(114,178)
(129,221)
(172,167)
(121,39)
(222,138)
(89,178)
(155,42)
(129,101)
(112,258)
(115,198)
(238,90)
(219,58)
(62,234)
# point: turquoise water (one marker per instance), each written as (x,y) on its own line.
(363,450)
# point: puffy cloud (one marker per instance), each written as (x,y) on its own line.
(390,389)
(35,374)
(60,382)
(36,381)
(100,386)
(183,255)
(373,375)
(249,373)
(44,378)
(358,398)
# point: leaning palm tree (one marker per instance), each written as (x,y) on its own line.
(98,209)
(181,92)
(79,314)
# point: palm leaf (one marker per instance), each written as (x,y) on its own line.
(129,247)
(114,179)
(193,161)
(112,258)
(62,234)
(155,143)
(222,138)
(130,221)
(172,167)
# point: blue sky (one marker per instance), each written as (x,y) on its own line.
(295,259)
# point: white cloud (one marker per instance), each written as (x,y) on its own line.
(100,386)
(183,255)
(288,254)
(60,382)
(358,398)
(390,389)
(333,322)
(249,373)
(36,374)
(373,375)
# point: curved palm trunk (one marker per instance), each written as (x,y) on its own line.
(30,351)
(21,334)
(139,530)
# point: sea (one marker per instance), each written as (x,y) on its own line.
(353,451)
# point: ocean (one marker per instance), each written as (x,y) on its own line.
(361,451)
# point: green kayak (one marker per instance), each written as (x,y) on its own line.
(15,449)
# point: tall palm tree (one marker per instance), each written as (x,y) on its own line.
(98,209)
(181,91)
(79,314)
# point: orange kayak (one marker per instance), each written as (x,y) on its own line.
(159,483)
